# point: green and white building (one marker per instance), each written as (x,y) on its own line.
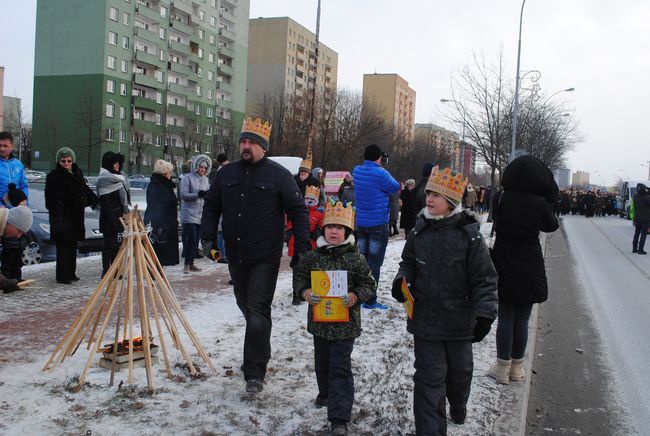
(150,79)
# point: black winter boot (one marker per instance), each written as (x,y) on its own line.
(458,415)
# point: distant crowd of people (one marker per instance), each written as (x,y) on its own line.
(587,203)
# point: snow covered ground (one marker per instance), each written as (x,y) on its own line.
(34,402)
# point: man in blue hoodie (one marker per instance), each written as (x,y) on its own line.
(372,185)
(11,169)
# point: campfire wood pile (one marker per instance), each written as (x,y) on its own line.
(135,274)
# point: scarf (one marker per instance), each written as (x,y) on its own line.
(322,242)
(108,182)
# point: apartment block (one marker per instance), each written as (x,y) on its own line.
(580,178)
(392,94)
(282,61)
(562,177)
(148,78)
(462,154)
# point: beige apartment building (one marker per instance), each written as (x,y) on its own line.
(281,58)
(395,98)
(580,178)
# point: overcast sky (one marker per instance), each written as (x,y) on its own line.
(600,47)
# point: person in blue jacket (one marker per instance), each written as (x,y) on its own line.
(373,184)
(11,169)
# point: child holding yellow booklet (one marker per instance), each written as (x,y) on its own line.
(454,286)
(333,341)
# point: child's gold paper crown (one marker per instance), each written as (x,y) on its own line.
(306,163)
(338,214)
(312,192)
(448,183)
(257,127)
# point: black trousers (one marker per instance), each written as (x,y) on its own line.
(254,290)
(66,260)
(640,234)
(333,367)
(443,370)
(12,258)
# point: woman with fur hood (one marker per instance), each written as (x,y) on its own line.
(66,197)
(194,186)
(114,201)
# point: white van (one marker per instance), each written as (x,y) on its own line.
(628,191)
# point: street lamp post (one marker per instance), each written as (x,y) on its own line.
(647,164)
(119,117)
(516,102)
(556,93)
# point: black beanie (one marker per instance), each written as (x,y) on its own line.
(14,195)
(426,169)
(372,152)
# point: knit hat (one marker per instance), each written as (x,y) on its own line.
(14,196)
(21,218)
(426,169)
(65,152)
(162,167)
(4,214)
(372,152)
(256,130)
(448,183)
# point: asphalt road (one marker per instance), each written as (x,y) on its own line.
(591,359)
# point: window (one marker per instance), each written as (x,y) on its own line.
(157,141)
(208,130)
(163,12)
(212,39)
(110,110)
(200,53)
(198,109)
(112,38)
(209,112)
(111,62)
(159,97)
(201,33)
(160,76)
(126,18)
(201,15)
(122,113)
(162,55)
(210,75)
(198,90)
(214,3)
(161,33)
(113,13)
(158,119)
(110,134)
(125,42)
(210,93)
(199,72)
(122,136)
(124,67)
(122,88)
(110,86)
(213,21)
(211,57)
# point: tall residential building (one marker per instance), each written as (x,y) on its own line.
(580,178)
(151,79)
(281,60)
(395,99)
(561,176)
(462,154)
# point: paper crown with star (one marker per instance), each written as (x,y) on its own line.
(448,183)
(256,130)
(306,163)
(336,213)
(312,193)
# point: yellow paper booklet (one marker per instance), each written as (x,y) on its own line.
(408,304)
(331,285)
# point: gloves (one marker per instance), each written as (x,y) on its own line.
(313,298)
(202,193)
(295,260)
(11,286)
(396,291)
(349,299)
(211,249)
(482,328)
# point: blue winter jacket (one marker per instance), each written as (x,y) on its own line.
(372,184)
(12,171)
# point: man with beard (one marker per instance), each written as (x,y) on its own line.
(252,195)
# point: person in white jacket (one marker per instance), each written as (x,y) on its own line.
(194,186)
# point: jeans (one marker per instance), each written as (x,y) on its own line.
(333,368)
(191,238)
(640,230)
(222,246)
(443,370)
(254,289)
(512,330)
(372,243)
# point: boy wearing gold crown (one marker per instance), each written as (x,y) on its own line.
(447,267)
(333,341)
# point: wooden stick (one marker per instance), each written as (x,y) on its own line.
(26,283)
(117,337)
(161,335)
(144,318)
(129,298)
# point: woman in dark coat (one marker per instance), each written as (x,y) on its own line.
(524,209)
(114,200)
(409,212)
(161,213)
(66,197)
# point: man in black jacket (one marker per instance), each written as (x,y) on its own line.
(641,202)
(252,195)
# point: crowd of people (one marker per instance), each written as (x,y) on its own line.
(243,212)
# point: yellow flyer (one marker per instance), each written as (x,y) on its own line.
(331,285)
(408,304)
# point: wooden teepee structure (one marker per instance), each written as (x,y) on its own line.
(135,274)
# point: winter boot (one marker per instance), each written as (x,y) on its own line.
(338,428)
(186,269)
(517,372)
(500,371)
(194,268)
(320,401)
(458,415)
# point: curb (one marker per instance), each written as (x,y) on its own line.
(514,397)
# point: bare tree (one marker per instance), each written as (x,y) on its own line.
(192,138)
(89,117)
(139,146)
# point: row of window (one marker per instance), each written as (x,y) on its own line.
(111,63)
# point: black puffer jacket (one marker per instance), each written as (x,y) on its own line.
(452,277)
(253,199)
(66,196)
(162,214)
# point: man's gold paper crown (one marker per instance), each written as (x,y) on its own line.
(307,162)
(312,192)
(258,127)
(338,214)
(447,183)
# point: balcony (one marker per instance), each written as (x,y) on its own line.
(182,27)
(223,86)
(224,104)
(146,103)
(148,58)
(227,14)
(178,89)
(152,15)
(227,52)
(148,36)
(180,48)
(147,126)
(150,81)
(179,68)
(183,6)
(227,34)
(226,70)
(173,109)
